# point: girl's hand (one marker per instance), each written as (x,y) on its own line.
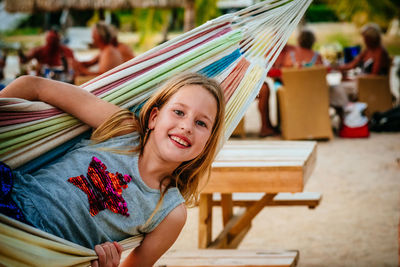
(109,254)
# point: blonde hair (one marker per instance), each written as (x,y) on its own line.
(187,175)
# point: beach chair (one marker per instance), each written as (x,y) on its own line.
(304,104)
(375,92)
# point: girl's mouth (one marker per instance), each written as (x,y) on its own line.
(180,141)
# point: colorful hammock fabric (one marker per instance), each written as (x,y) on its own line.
(236,49)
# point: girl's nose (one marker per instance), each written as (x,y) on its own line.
(186,125)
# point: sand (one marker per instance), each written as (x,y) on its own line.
(356,223)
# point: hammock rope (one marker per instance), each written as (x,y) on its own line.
(236,49)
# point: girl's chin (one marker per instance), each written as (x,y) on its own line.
(178,158)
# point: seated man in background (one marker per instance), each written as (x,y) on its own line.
(124,49)
(109,56)
(263,97)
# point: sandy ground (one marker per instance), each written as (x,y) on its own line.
(356,223)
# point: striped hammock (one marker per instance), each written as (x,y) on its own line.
(236,49)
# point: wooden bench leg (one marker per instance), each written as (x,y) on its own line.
(250,213)
(227,208)
(205,220)
(238,226)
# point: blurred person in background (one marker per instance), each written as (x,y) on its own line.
(3,58)
(126,52)
(303,55)
(373,60)
(51,56)
(108,57)
(273,80)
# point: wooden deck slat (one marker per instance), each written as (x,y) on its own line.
(229,257)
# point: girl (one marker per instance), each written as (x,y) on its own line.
(133,176)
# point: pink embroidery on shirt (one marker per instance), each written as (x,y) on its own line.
(103,188)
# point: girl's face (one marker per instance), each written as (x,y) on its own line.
(181,128)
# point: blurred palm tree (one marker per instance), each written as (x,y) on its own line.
(152,21)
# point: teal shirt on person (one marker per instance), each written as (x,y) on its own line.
(52,203)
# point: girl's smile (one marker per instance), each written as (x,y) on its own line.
(181,141)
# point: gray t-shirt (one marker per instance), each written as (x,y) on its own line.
(54,203)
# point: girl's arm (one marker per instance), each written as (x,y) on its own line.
(70,98)
(156,243)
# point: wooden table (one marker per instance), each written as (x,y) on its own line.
(268,167)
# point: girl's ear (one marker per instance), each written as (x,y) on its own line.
(152,118)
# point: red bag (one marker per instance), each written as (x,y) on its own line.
(354,132)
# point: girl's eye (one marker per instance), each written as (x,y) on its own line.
(178,112)
(201,123)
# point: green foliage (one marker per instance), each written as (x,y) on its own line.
(363,11)
(206,10)
(149,21)
(342,39)
(393,49)
(23,31)
(320,13)
(125,20)
(392,45)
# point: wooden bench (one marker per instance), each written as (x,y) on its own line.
(309,199)
(229,258)
(254,166)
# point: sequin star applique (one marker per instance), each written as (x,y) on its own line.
(103,189)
